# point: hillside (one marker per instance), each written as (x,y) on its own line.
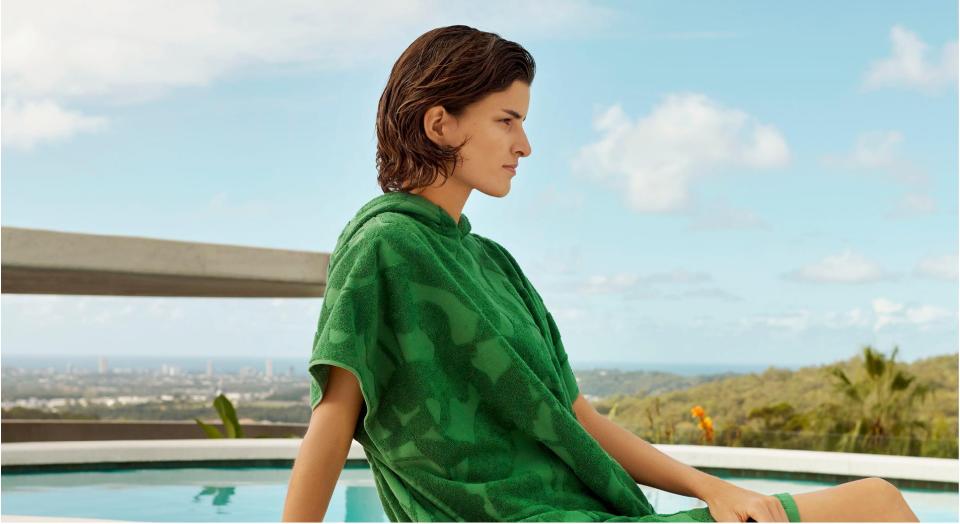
(790,407)
(598,383)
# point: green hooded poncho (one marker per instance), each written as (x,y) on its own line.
(467,389)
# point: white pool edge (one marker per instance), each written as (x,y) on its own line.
(763,459)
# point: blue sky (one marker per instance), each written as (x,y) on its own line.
(710,182)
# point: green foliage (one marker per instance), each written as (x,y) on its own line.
(664,430)
(229,417)
(882,405)
(779,417)
(868,404)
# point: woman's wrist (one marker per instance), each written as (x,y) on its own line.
(709,486)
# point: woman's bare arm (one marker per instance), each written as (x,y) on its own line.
(645,463)
(323,451)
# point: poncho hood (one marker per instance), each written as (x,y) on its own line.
(414,206)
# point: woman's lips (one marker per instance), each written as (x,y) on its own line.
(511,169)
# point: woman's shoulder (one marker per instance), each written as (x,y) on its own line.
(385,225)
(392,222)
(396,232)
(395,239)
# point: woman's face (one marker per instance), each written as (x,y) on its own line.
(494,125)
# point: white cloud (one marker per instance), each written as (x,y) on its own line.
(794,321)
(25,124)
(568,313)
(855,317)
(913,204)
(636,286)
(847,267)
(656,159)
(910,67)
(708,293)
(926,314)
(889,313)
(118,52)
(603,284)
(878,152)
(943,267)
(84,310)
(881,313)
(622,282)
(677,276)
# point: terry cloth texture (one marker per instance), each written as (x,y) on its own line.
(467,389)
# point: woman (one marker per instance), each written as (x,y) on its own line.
(437,355)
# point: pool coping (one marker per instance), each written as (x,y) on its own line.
(920,472)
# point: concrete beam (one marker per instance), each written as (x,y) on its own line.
(36,261)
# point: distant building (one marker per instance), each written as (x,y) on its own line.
(102,366)
(210,367)
(268,368)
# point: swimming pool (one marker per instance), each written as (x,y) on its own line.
(249,494)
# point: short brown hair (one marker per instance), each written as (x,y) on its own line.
(453,67)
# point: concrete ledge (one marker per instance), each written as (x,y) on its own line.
(771,460)
(825,462)
(38,261)
(179,450)
(42,430)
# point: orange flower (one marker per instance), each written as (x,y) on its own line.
(705,423)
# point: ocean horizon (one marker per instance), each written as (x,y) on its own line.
(282,365)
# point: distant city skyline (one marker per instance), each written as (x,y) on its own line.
(708,185)
(295,365)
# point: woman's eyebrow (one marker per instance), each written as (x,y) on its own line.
(514,114)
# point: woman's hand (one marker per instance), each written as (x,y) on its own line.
(730,503)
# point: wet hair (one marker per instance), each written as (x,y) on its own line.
(453,67)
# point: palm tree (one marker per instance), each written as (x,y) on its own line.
(882,404)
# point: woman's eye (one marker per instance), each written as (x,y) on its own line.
(507,120)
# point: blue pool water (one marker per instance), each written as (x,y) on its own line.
(257,494)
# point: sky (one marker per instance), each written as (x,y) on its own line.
(710,183)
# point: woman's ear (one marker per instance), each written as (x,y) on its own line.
(437,123)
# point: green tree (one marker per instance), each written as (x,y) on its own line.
(881,403)
(778,417)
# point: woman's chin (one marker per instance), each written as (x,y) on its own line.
(498,191)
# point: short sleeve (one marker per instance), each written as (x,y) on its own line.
(350,318)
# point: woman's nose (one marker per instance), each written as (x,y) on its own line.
(524,147)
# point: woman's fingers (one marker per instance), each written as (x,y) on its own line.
(774,511)
(768,513)
(781,511)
